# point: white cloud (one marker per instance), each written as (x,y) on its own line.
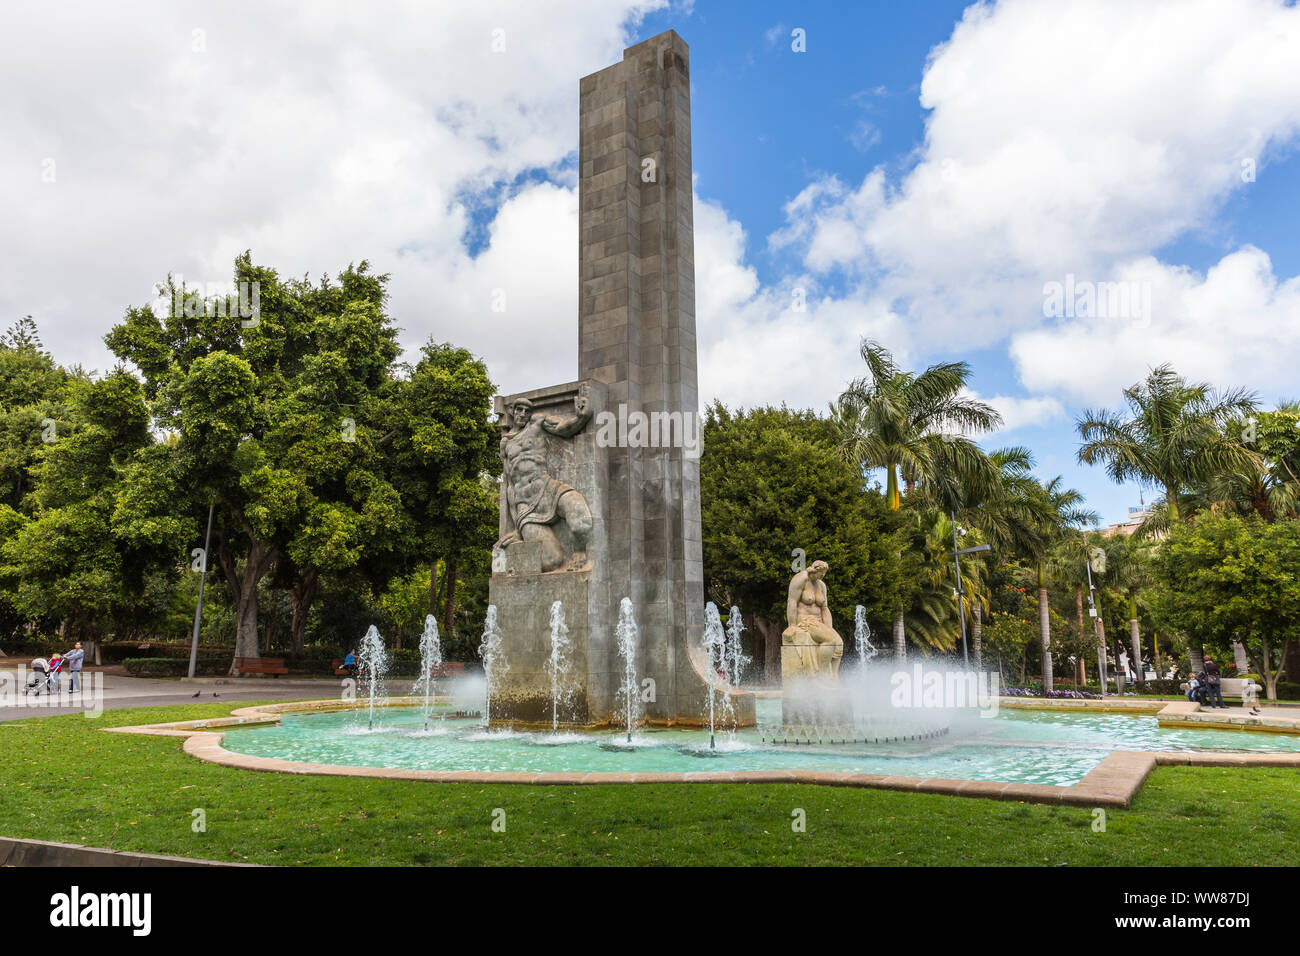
(314,138)
(1234,326)
(1024,411)
(1079,137)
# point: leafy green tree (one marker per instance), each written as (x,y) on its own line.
(1227,577)
(442,453)
(1272,488)
(33,403)
(275,416)
(772,481)
(1175,436)
(79,558)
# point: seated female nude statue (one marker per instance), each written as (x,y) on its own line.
(809,618)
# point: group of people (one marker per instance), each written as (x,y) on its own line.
(1204,688)
(71,662)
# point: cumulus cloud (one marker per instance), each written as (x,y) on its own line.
(1078,138)
(142,145)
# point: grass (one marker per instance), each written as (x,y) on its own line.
(63,780)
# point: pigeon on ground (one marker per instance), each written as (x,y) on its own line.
(197,692)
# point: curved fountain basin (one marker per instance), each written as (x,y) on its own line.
(1032,747)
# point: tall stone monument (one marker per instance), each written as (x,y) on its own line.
(601,488)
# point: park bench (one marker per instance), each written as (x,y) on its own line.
(260,665)
(1234,687)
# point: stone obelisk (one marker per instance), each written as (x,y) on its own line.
(636,360)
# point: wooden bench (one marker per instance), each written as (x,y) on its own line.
(260,665)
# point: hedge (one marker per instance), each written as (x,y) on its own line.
(176,667)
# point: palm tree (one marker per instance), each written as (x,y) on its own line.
(1059,511)
(1175,436)
(915,427)
(1272,489)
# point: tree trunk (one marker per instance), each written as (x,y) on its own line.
(433,587)
(243,589)
(977,636)
(769,640)
(1138,669)
(1270,674)
(1240,658)
(1045,634)
(303,594)
(1078,605)
(900,636)
(891,488)
(449,611)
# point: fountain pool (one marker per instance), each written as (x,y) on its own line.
(1016,746)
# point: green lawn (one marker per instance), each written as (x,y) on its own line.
(60,779)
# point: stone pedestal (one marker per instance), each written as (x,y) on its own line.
(811,696)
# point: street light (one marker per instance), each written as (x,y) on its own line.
(961,608)
(1099,556)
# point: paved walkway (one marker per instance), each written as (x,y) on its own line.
(120,691)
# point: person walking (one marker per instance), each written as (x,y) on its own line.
(73,659)
(1213,692)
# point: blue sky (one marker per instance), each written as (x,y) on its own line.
(766,120)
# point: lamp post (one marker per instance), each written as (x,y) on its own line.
(1092,610)
(961,608)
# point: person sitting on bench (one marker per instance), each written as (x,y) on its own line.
(350,663)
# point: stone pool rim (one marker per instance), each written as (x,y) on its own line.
(1113,782)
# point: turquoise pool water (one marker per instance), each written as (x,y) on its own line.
(1016,746)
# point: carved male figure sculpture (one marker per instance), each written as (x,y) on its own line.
(536,501)
(818,646)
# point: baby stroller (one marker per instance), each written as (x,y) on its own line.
(44,677)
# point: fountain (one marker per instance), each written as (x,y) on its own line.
(494,659)
(625,633)
(715,648)
(558,665)
(430,660)
(372,662)
(736,659)
(862,638)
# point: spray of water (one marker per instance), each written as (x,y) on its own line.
(430,659)
(862,637)
(715,645)
(494,660)
(626,634)
(372,661)
(736,659)
(559,664)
